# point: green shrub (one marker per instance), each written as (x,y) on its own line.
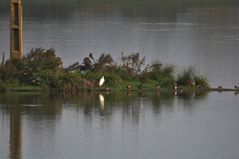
(8,71)
(41,59)
(92,76)
(12,83)
(168,70)
(162,74)
(112,79)
(3,87)
(69,82)
(119,71)
(186,77)
(132,63)
(201,81)
(47,79)
(167,81)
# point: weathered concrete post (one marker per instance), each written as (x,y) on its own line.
(16,43)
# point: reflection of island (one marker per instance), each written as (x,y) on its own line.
(33,104)
(47,114)
(50,106)
(15,133)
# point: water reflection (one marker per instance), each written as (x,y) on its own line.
(59,126)
(15,133)
(236,93)
(52,105)
(102,102)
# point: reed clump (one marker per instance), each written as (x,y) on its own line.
(188,77)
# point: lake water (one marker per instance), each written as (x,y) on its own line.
(129,126)
(121,125)
(183,32)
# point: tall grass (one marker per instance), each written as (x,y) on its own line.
(163,74)
(69,82)
(188,77)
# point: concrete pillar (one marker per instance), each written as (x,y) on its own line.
(16,43)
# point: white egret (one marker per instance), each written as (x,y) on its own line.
(102,80)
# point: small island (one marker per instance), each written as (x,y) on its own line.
(42,70)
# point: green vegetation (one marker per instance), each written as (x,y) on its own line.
(189,78)
(42,70)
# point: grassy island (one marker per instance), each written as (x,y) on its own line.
(42,70)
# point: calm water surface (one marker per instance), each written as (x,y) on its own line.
(183,32)
(145,125)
